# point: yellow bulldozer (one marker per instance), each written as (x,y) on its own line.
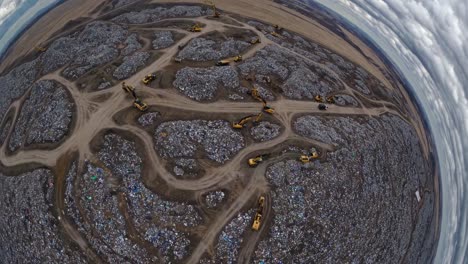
(149,78)
(229,60)
(196,28)
(258,215)
(244,120)
(253,162)
(308,158)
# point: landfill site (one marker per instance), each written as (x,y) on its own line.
(210,132)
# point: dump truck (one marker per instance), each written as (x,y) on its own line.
(227,61)
(149,78)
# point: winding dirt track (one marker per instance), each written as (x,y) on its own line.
(92,116)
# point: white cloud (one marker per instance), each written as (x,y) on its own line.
(6,7)
(427,40)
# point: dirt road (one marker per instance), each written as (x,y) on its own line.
(93,116)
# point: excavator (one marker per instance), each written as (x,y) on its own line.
(255,94)
(196,28)
(140,105)
(308,158)
(216,14)
(258,215)
(149,78)
(246,119)
(331,99)
(227,61)
(253,162)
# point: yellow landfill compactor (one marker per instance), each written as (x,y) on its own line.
(258,215)
(227,61)
(256,160)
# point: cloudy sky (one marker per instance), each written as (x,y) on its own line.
(427,41)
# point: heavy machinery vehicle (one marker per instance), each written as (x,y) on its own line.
(149,78)
(308,158)
(216,14)
(277,27)
(128,88)
(140,105)
(261,202)
(318,99)
(246,119)
(255,41)
(258,215)
(331,99)
(227,61)
(255,161)
(196,28)
(274,34)
(268,109)
(257,221)
(40,48)
(322,107)
(255,94)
